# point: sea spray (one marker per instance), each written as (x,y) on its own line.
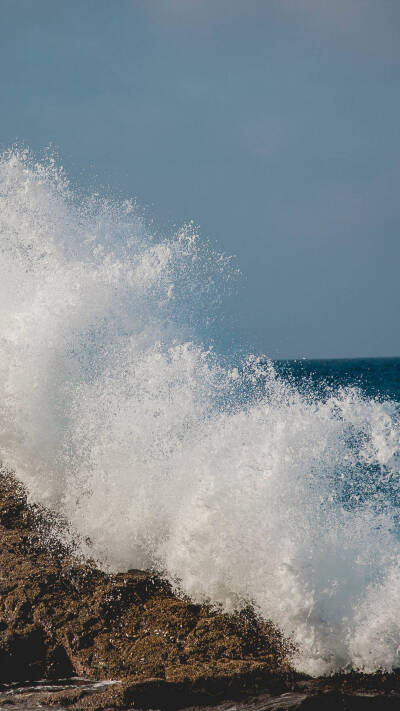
(115,411)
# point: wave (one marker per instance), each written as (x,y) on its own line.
(116,412)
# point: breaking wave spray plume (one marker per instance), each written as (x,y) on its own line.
(229,479)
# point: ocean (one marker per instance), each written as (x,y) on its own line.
(375,377)
(240,479)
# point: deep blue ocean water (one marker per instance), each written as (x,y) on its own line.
(375,377)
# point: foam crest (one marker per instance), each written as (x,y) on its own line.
(233,482)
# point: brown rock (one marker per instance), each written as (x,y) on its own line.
(61,616)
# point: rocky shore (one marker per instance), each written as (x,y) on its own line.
(61,617)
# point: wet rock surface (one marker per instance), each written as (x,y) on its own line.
(62,618)
(82,694)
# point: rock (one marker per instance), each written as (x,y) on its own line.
(167,696)
(66,697)
(61,616)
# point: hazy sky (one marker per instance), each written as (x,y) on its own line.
(273,124)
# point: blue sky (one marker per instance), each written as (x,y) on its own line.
(273,124)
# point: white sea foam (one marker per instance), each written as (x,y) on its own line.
(114,412)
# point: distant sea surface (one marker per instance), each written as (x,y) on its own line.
(375,377)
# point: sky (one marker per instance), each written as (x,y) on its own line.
(272,124)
